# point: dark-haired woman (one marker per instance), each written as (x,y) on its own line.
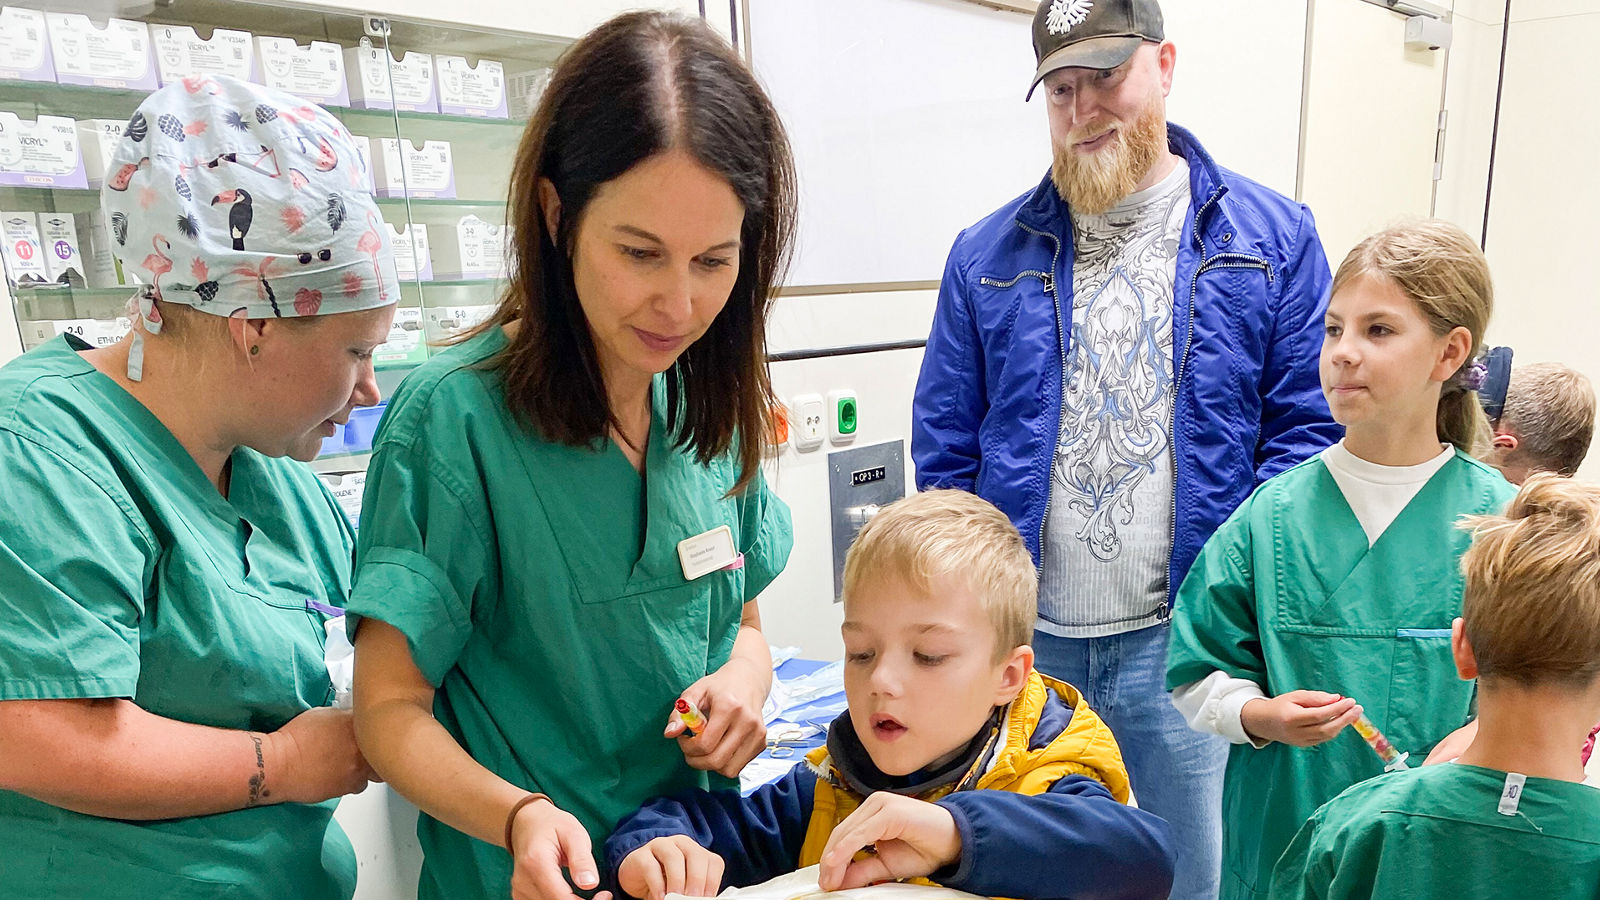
(565,525)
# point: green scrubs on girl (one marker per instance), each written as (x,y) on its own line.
(540,589)
(1440,832)
(125,574)
(1288,594)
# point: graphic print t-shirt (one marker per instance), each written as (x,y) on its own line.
(1108,533)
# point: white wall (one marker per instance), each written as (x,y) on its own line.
(1543,232)
(900,145)
(1469,100)
(1371,111)
(798,608)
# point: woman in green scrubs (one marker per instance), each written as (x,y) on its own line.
(164,720)
(565,524)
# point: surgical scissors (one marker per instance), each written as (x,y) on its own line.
(783,744)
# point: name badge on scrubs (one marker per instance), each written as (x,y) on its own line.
(706,553)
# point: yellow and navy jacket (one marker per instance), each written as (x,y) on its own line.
(1042,813)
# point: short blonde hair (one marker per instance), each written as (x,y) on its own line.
(1532,604)
(945,534)
(1439,268)
(1550,409)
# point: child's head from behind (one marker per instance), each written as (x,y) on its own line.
(1547,422)
(1405,320)
(940,595)
(1531,611)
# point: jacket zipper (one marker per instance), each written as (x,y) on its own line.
(1061,347)
(1164,614)
(1025,273)
(1235,261)
(1220,261)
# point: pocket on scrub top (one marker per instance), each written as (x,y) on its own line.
(1426,699)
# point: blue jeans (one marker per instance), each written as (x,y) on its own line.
(1176,771)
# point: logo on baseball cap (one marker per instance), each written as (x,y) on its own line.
(1091,34)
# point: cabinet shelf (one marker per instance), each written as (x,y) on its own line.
(348,113)
(48,290)
(440,204)
(51,289)
(88,198)
(461,282)
(88,102)
(483,148)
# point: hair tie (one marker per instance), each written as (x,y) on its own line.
(1471,377)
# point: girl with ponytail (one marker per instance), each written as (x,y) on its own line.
(1330,593)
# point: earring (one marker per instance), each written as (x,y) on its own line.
(254,349)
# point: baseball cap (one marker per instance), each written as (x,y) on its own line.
(1091,34)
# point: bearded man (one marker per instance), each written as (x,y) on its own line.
(1118,357)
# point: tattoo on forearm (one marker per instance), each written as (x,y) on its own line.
(258,781)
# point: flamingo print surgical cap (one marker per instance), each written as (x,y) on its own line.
(240,200)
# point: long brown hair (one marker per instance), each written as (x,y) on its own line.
(1440,268)
(636,86)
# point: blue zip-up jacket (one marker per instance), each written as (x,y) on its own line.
(1073,840)
(1247,330)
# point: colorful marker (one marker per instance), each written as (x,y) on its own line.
(693,721)
(1393,760)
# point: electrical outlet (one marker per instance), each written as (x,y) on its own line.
(844,416)
(808,423)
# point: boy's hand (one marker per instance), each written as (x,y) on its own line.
(1299,718)
(731,699)
(670,865)
(1454,744)
(911,838)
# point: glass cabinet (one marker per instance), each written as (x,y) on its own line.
(440,110)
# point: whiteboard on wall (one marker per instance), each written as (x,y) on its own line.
(908,120)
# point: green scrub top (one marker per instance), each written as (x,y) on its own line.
(1437,832)
(1288,594)
(126,574)
(540,589)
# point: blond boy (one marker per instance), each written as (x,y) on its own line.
(1545,426)
(1510,815)
(1547,422)
(956,762)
